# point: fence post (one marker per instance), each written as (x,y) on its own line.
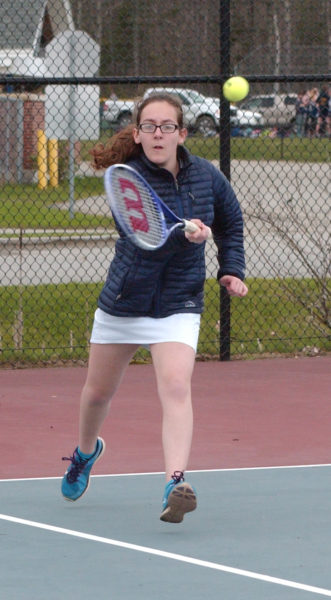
(225,142)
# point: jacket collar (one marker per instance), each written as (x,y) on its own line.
(183,155)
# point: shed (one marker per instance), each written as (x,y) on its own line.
(25,30)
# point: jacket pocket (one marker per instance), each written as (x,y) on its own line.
(134,289)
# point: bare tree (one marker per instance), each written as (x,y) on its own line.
(149,37)
(277,53)
(302,228)
(287,35)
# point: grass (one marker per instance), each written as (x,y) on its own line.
(26,206)
(260,148)
(52,323)
(268,320)
(264,148)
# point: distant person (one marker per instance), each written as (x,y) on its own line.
(312,112)
(323,119)
(301,114)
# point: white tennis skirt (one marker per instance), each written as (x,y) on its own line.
(182,327)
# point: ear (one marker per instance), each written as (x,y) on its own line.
(136,135)
(182,135)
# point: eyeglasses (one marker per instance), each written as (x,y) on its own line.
(164,128)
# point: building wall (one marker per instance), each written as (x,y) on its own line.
(34,119)
(21,115)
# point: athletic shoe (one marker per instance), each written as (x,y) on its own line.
(76,479)
(179,498)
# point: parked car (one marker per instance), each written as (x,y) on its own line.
(118,112)
(201,113)
(277,109)
(244,119)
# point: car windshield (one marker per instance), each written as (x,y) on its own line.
(267,101)
(251,104)
(290,100)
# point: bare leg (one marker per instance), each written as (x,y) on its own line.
(173,364)
(107,364)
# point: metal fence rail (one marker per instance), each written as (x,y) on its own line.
(56,234)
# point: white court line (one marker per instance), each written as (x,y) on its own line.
(179,557)
(189,471)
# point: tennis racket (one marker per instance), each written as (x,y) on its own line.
(139,210)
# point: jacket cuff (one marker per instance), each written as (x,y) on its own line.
(221,274)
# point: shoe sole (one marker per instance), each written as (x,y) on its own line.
(181,500)
(88,481)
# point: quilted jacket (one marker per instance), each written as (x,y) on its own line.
(171,279)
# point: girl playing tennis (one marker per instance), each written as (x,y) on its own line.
(155,298)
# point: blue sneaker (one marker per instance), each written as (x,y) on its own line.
(76,479)
(179,498)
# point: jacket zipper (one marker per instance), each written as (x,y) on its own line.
(191,200)
(178,200)
(179,205)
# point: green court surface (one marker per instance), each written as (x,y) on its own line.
(258,534)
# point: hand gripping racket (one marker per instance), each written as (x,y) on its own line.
(139,210)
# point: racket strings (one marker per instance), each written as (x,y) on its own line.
(138,209)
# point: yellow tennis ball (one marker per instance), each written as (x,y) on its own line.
(235,89)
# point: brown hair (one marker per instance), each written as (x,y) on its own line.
(122,146)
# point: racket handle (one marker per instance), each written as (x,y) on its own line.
(192,227)
(189,226)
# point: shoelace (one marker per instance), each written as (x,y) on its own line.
(77,465)
(178,476)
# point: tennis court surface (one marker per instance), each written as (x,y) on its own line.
(260,463)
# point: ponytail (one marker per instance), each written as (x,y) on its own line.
(119,149)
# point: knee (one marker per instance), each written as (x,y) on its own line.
(96,395)
(175,390)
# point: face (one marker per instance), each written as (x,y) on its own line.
(160,148)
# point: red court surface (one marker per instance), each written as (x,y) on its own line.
(247,414)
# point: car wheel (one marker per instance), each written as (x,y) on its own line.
(124,120)
(206,126)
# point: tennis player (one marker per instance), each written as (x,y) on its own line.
(155,298)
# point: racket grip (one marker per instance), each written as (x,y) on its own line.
(189,226)
(192,227)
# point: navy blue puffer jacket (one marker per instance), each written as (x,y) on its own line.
(171,279)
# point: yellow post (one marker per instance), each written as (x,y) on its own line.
(53,162)
(42,159)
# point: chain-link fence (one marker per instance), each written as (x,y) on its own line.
(70,74)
